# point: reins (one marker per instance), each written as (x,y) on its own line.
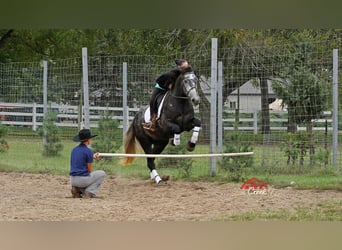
(179,97)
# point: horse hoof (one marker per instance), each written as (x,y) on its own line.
(190,146)
(161,183)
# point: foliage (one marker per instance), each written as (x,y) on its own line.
(236,166)
(300,83)
(50,133)
(295,147)
(108,134)
(3,143)
(322,156)
(303,92)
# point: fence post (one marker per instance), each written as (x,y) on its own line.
(85,87)
(34,116)
(255,122)
(213,100)
(45,102)
(219,111)
(335,107)
(124,99)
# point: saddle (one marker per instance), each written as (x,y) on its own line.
(147,115)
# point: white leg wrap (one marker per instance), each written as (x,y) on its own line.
(176,139)
(195,133)
(194,137)
(155,176)
(196,129)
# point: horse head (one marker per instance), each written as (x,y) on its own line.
(187,85)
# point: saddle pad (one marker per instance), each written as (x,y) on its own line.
(147,116)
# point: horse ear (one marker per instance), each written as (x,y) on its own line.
(188,69)
(179,61)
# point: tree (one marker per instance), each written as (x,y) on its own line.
(107,141)
(305,96)
(51,134)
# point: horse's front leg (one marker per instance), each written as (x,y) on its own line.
(176,131)
(190,146)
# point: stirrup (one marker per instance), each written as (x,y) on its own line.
(148,126)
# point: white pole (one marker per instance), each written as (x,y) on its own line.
(213,100)
(177,156)
(335,107)
(85,88)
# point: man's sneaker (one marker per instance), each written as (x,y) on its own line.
(76,192)
(88,195)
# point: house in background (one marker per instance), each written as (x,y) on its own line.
(250,97)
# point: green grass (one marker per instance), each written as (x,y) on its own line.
(324,211)
(25,155)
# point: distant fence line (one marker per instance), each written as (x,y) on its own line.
(31,115)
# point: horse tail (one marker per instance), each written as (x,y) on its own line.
(129,144)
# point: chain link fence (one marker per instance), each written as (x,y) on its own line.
(282,110)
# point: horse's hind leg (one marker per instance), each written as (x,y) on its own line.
(190,146)
(157,149)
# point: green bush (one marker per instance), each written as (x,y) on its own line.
(3,143)
(236,166)
(108,134)
(50,133)
(295,147)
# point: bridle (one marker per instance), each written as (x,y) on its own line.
(190,76)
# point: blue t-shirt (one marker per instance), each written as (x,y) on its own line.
(80,156)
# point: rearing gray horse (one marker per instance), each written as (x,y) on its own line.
(176,116)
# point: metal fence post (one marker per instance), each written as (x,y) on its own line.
(335,107)
(124,99)
(213,100)
(220,110)
(45,102)
(85,88)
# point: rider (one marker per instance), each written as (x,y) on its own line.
(163,83)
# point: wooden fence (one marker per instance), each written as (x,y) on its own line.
(31,115)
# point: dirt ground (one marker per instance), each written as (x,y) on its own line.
(42,197)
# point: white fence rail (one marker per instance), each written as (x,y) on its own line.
(31,115)
(253,123)
(67,115)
